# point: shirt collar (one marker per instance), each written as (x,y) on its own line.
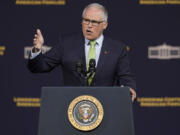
(99,40)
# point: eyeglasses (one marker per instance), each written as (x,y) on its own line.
(93,22)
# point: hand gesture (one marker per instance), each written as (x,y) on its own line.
(38,41)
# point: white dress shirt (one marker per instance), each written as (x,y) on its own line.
(98,46)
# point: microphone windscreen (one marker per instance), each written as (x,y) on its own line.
(92,63)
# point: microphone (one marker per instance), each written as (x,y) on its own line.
(85,75)
(82,73)
(79,67)
(92,65)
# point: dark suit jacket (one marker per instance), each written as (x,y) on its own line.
(113,67)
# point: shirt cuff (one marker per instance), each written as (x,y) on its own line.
(33,55)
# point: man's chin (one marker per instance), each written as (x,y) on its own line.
(89,37)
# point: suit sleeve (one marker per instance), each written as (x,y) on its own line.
(48,61)
(124,74)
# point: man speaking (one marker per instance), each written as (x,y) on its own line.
(111,58)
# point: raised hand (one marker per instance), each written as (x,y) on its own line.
(38,41)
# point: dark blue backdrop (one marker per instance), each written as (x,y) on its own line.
(139,26)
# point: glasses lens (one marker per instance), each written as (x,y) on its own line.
(93,22)
(86,21)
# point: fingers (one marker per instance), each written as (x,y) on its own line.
(133,94)
(35,40)
(38,35)
(38,40)
(39,32)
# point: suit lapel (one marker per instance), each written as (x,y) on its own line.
(102,58)
(81,50)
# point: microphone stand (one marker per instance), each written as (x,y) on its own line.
(85,75)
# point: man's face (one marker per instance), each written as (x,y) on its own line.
(92,23)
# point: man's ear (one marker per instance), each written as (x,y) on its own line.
(105,24)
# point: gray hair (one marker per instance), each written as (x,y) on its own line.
(99,6)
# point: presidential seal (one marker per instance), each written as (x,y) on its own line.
(85,113)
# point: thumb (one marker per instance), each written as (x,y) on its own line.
(39,32)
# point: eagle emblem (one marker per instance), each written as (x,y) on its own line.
(85,113)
